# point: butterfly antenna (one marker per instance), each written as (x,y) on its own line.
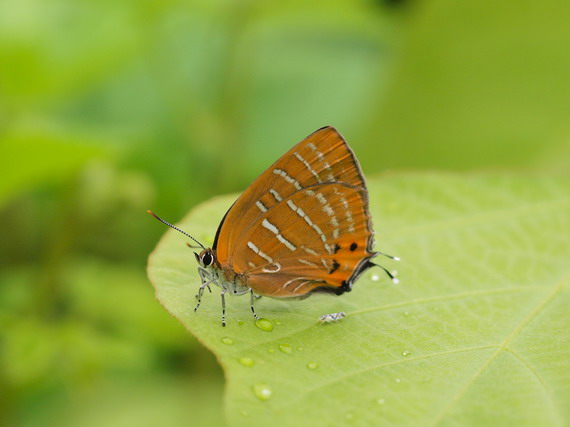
(193,246)
(176,228)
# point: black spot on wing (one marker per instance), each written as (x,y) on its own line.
(335,266)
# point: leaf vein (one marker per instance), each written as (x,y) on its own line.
(541,380)
(393,363)
(502,347)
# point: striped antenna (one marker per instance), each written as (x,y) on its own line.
(173,226)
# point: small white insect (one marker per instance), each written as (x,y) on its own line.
(332,317)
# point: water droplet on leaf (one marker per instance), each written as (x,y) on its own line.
(312,365)
(227,340)
(286,348)
(262,391)
(264,324)
(246,361)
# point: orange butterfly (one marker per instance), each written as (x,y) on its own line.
(300,227)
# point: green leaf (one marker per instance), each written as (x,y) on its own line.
(476,333)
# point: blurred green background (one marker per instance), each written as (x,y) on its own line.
(108,108)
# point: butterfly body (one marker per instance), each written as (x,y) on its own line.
(302,226)
(212,272)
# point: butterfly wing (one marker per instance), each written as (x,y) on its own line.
(319,237)
(322,157)
(303,224)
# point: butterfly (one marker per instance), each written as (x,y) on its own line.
(302,226)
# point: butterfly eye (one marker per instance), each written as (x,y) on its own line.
(207,259)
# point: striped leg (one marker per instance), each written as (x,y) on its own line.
(223,307)
(201,292)
(251,299)
(205,276)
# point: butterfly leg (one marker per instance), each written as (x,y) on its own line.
(205,276)
(201,292)
(223,307)
(251,299)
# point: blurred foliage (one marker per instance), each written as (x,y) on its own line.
(479,84)
(110,108)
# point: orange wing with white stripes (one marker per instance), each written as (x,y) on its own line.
(303,224)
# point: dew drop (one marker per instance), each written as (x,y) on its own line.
(348,416)
(246,361)
(262,391)
(398,380)
(271,350)
(406,353)
(406,313)
(300,348)
(227,340)
(264,324)
(375,277)
(286,348)
(312,365)
(278,322)
(240,322)
(381,401)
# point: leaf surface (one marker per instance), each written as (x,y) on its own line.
(477,331)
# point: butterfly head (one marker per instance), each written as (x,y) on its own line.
(206,258)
